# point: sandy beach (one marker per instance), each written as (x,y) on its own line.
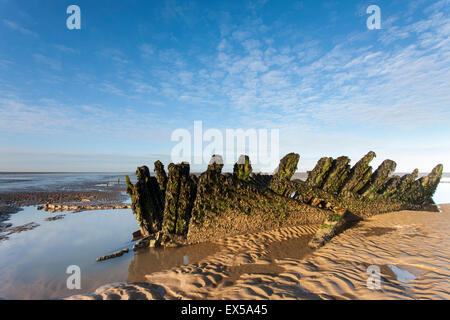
(411,249)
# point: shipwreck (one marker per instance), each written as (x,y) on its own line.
(177,207)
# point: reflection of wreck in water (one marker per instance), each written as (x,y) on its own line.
(160,259)
(180,207)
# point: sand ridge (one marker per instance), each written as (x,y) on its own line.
(411,248)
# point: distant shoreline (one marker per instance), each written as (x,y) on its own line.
(444,174)
(56,172)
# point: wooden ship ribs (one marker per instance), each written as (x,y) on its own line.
(181,208)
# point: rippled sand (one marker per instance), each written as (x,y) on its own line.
(410,248)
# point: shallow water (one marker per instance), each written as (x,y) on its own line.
(442,194)
(404,276)
(153,260)
(31,182)
(297,248)
(33,263)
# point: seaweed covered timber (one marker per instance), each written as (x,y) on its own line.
(181,208)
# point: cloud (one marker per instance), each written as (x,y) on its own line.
(76,161)
(19,117)
(4,63)
(398,86)
(115,55)
(14,26)
(49,117)
(142,87)
(65,49)
(146,50)
(47,61)
(111,89)
(179,10)
(255,5)
(241,35)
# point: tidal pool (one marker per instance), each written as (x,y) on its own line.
(33,263)
(442,194)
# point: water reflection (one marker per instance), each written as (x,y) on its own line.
(442,194)
(404,276)
(33,263)
(159,259)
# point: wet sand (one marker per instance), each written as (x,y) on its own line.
(12,202)
(411,249)
(22,199)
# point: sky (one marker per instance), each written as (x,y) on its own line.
(108,97)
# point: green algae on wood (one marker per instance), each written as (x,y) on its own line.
(287,166)
(317,176)
(243,168)
(378,178)
(179,199)
(161,177)
(339,172)
(430,182)
(284,172)
(145,201)
(359,174)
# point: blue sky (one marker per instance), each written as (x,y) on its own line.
(107,97)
